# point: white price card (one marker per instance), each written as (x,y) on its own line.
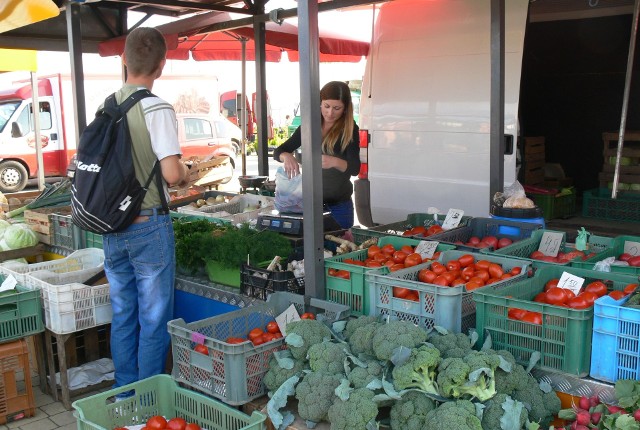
(289,315)
(8,284)
(571,282)
(426,248)
(454,216)
(632,248)
(550,243)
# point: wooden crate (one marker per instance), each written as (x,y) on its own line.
(41,222)
(533,160)
(631,146)
(22,197)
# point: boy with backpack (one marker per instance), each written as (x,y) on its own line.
(140,258)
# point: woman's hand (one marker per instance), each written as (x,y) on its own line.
(331,162)
(291,166)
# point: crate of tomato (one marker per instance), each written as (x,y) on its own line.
(540,315)
(439,293)
(227,356)
(624,253)
(345,274)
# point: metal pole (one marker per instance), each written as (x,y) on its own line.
(496,138)
(625,98)
(36,128)
(243,109)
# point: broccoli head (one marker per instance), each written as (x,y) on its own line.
(304,333)
(394,334)
(360,377)
(328,357)
(469,377)
(451,344)
(354,323)
(419,371)
(458,415)
(315,394)
(503,413)
(410,412)
(276,375)
(542,407)
(361,341)
(355,412)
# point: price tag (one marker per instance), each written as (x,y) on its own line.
(454,216)
(426,248)
(550,243)
(289,315)
(632,248)
(571,282)
(8,284)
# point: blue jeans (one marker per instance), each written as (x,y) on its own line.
(343,213)
(140,267)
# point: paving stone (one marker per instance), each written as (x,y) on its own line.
(63,418)
(41,424)
(53,408)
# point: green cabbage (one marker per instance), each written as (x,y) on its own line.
(3,226)
(20,236)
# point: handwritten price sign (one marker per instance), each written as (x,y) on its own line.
(632,248)
(550,243)
(571,282)
(289,315)
(426,248)
(454,216)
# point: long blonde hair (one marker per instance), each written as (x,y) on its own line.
(336,90)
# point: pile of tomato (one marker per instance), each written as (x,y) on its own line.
(632,260)
(422,231)
(158,422)
(486,242)
(562,257)
(566,298)
(462,271)
(386,255)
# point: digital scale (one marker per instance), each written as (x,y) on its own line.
(292,223)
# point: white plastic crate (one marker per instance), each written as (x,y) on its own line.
(236,205)
(70,305)
(79,260)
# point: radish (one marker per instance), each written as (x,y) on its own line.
(614,409)
(595,417)
(636,414)
(583,417)
(584,403)
(594,400)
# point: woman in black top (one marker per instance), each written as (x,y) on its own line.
(340,151)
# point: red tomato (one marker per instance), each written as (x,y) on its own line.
(630,288)
(597,287)
(272,327)
(516,271)
(453,265)
(156,422)
(308,316)
(578,302)
(268,337)
(381,256)
(536,255)
(505,241)
(478,280)
(466,260)
(617,294)
(176,423)
(457,281)
(373,250)
(492,241)
(388,249)
(412,260)
(482,264)
(399,256)
(555,296)
(256,332)
(201,349)
(344,274)
(332,272)
(413,296)
(434,229)
(532,317)
(625,256)
(473,284)
(441,280)
(482,274)
(400,292)
(540,297)
(407,248)
(474,240)
(235,340)
(396,266)
(467,272)
(258,340)
(418,231)
(495,270)
(426,275)
(516,313)
(192,426)
(589,297)
(373,263)
(551,283)
(438,268)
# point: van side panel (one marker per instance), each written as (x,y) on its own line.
(425,103)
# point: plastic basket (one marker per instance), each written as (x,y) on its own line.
(236,205)
(70,305)
(353,291)
(160,395)
(259,282)
(450,307)
(78,260)
(564,337)
(523,249)
(614,250)
(556,205)
(17,399)
(398,228)
(616,332)
(20,313)
(63,232)
(233,373)
(92,240)
(597,203)
(481,227)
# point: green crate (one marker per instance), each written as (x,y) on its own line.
(20,313)
(160,395)
(563,339)
(614,250)
(353,292)
(233,373)
(398,228)
(450,307)
(597,203)
(556,205)
(92,240)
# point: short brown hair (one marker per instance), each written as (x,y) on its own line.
(144,49)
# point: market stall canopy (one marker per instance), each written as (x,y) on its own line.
(18,13)
(16,60)
(185,41)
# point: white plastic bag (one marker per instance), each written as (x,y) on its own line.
(516,197)
(288,192)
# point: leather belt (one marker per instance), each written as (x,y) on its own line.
(152,211)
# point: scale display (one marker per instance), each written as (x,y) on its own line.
(291,223)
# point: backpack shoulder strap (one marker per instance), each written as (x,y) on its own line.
(134,98)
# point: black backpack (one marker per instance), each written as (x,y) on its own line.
(105,195)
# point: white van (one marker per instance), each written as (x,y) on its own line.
(425,108)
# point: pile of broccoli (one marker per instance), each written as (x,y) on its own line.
(348,372)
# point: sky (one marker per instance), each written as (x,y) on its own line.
(283,85)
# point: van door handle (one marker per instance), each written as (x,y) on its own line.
(211,144)
(508,144)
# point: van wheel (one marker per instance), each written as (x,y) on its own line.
(231,167)
(13,177)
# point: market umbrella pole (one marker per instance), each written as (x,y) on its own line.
(243,108)
(36,128)
(625,99)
